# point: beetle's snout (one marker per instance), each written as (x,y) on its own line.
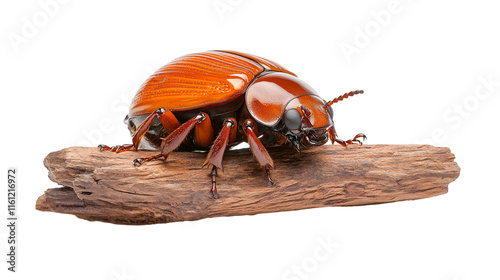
(304,139)
(317,137)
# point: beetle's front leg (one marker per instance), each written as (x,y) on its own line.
(351,141)
(333,137)
(258,150)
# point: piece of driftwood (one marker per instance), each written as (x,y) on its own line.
(107,187)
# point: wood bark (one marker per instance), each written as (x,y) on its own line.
(107,187)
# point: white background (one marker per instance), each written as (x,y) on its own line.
(68,81)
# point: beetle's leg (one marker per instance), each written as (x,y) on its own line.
(333,138)
(359,135)
(174,139)
(332,134)
(258,150)
(213,190)
(119,148)
(352,141)
(344,143)
(167,119)
(139,161)
(216,153)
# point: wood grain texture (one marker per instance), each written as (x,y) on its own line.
(105,186)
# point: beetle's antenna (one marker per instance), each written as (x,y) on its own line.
(345,95)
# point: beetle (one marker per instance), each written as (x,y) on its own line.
(245,98)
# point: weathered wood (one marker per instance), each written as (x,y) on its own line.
(105,186)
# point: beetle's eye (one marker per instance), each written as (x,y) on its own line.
(293,119)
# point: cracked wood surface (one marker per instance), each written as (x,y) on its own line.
(107,187)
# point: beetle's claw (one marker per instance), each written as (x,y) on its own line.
(137,162)
(360,135)
(103,147)
(214,195)
(271,183)
(355,141)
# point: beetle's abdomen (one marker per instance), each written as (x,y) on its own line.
(195,81)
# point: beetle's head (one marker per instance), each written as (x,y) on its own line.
(288,105)
(308,120)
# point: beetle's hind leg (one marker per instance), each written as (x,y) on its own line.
(217,150)
(167,119)
(174,139)
(117,149)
